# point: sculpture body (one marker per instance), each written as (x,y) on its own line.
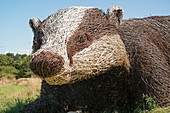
(90,60)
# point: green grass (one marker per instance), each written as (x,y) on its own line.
(160,110)
(8,95)
(13,98)
(157,110)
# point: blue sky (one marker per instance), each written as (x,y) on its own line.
(16,35)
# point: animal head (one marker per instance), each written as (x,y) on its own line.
(76,43)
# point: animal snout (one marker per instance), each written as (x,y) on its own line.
(46,64)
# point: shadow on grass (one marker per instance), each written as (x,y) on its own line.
(18,106)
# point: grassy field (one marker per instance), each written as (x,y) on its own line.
(14,97)
(23,91)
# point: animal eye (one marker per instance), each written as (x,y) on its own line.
(83,38)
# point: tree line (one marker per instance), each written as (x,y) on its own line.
(14,65)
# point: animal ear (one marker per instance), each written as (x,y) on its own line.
(115,14)
(34,24)
(37,41)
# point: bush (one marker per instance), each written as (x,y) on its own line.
(15,65)
(8,72)
(146,103)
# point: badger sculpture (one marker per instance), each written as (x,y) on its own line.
(90,60)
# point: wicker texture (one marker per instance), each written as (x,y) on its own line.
(148,44)
(105,64)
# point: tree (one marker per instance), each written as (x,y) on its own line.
(19,62)
(5,60)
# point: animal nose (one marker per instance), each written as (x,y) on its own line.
(46,64)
